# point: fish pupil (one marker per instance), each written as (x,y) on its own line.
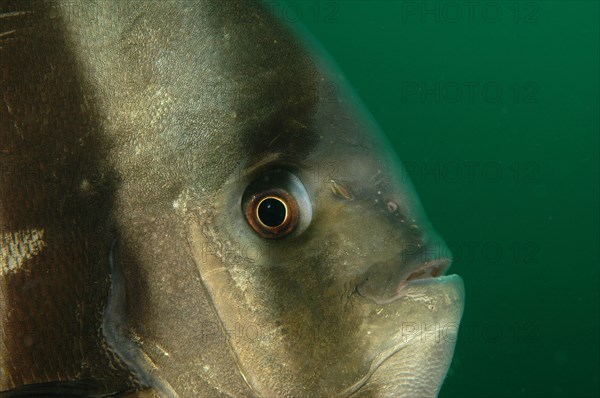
(271,212)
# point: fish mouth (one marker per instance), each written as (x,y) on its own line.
(429,269)
(386,282)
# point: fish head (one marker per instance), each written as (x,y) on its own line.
(321,264)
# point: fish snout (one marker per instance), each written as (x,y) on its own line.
(384,282)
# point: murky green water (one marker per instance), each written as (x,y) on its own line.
(494,108)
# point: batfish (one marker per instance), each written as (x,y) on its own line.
(194,203)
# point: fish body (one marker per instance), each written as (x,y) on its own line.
(194,203)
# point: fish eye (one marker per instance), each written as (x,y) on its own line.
(277,205)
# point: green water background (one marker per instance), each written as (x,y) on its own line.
(503,150)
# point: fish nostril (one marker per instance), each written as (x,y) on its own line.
(392,206)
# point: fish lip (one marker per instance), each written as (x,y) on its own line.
(421,270)
(431,268)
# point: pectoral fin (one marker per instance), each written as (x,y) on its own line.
(115,323)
